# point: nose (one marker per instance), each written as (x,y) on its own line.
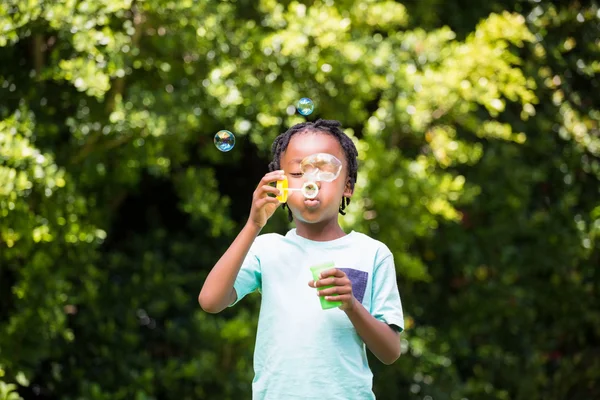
(312,177)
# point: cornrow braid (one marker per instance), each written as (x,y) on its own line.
(330,127)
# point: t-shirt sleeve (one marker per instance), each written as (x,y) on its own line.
(386,305)
(249,278)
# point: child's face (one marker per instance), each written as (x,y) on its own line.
(326,205)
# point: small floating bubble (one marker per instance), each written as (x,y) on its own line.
(224,140)
(305,106)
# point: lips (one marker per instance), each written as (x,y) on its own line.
(311,203)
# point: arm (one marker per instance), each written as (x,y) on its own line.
(217,292)
(381,339)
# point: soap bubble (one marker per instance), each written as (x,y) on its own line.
(305,106)
(310,190)
(224,140)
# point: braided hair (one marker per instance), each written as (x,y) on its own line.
(330,127)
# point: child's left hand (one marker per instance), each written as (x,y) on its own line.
(342,286)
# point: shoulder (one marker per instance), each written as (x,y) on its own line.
(266,241)
(364,243)
(268,238)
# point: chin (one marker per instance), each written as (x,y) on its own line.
(309,219)
(311,216)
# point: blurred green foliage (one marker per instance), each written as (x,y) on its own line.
(479,144)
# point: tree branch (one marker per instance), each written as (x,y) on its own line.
(118,86)
(38,48)
(117,90)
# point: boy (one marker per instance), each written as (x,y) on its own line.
(303,351)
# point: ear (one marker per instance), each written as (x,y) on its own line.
(348,189)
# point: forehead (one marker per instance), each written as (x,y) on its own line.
(303,144)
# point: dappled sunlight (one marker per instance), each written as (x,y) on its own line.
(479,167)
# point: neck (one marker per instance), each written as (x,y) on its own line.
(321,231)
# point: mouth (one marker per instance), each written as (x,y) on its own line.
(311,203)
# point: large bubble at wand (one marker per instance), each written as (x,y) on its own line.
(321,167)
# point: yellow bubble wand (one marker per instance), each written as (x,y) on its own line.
(310,190)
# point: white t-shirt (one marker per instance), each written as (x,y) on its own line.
(303,351)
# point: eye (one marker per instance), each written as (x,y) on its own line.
(296,174)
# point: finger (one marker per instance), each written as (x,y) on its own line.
(335,290)
(265,189)
(266,200)
(273,176)
(311,283)
(343,298)
(272,181)
(333,281)
(332,272)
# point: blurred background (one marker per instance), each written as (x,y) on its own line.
(477,125)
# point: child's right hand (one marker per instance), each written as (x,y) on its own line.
(263,206)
